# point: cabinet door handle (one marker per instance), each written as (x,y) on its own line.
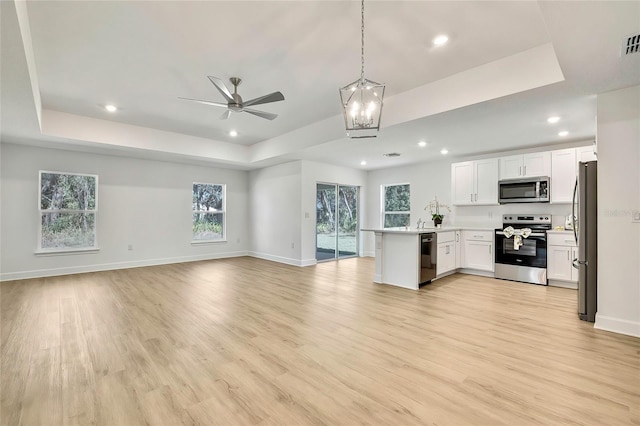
(568,254)
(520,171)
(476,197)
(471,197)
(525,170)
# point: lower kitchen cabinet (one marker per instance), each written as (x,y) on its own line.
(561,250)
(446,260)
(477,250)
(458,250)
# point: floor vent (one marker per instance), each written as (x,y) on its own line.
(631,44)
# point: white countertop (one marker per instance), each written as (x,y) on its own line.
(566,231)
(415,231)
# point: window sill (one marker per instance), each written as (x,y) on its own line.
(64,252)
(201,242)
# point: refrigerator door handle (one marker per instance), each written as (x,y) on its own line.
(576,263)
(573,211)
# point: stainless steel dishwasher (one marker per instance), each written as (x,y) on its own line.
(428,250)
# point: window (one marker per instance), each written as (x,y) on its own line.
(396,205)
(208,212)
(68,208)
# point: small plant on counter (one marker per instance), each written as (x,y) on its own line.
(434,207)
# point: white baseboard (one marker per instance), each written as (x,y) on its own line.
(564,284)
(280,259)
(40,273)
(369,253)
(476,272)
(617,325)
(308,262)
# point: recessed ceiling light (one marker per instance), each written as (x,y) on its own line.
(422,144)
(553,119)
(563,133)
(363,163)
(440,40)
(233,133)
(110,108)
(444,151)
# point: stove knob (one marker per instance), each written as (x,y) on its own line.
(541,218)
(546,218)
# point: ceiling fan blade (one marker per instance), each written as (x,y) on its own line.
(225,114)
(262,114)
(222,89)
(205,102)
(271,97)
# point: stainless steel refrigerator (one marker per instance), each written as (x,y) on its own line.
(585,231)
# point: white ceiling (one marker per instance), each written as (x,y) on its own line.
(507,67)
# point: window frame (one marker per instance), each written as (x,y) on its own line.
(41,212)
(383,212)
(222,239)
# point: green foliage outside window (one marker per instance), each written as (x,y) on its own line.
(397,204)
(208,212)
(68,206)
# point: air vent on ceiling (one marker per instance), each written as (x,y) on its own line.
(392,154)
(631,44)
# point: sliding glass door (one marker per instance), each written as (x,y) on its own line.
(336,221)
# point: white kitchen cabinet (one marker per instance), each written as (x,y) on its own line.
(475,182)
(446,257)
(477,250)
(585,153)
(564,170)
(526,165)
(559,263)
(458,250)
(563,175)
(561,250)
(511,167)
(462,183)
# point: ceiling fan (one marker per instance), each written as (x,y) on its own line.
(235,103)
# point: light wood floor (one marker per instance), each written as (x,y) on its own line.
(246,341)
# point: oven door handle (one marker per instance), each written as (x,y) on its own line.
(533,234)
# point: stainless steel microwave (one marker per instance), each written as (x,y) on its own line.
(524,190)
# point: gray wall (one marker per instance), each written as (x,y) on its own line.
(618,197)
(143,203)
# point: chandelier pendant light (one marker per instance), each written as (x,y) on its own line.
(362,100)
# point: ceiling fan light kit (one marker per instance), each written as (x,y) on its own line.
(362,100)
(235,102)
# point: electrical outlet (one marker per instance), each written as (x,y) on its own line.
(238,240)
(293,245)
(635,216)
(306,215)
(130,247)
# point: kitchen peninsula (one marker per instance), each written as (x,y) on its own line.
(399,253)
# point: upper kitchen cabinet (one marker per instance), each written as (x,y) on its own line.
(563,172)
(564,169)
(585,153)
(527,165)
(475,182)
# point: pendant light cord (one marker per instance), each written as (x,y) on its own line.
(362,44)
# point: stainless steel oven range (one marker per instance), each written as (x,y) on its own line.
(521,248)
